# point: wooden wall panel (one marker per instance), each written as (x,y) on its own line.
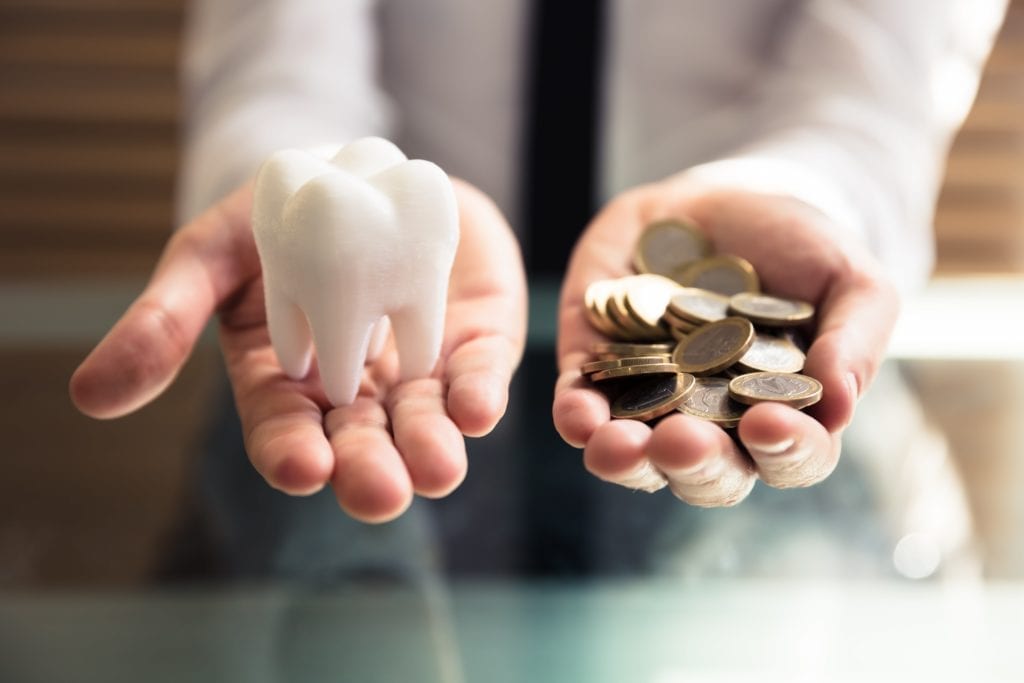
(88,135)
(979,224)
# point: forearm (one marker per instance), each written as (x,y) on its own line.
(859,117)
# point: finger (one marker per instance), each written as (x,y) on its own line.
(203,264)
(702,464)
(478,374)
(616,453)
(486,319)
(282,422)
(579,409)
(858,316)
(789,448)
(427,439)
(370,479)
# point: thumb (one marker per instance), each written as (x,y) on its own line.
(202,265)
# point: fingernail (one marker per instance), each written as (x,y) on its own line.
(852,386)
(777,448)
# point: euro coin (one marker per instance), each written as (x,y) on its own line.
(763,309)
(725,274)
(635,371)
(797,391)
(678,334)
(710,400)
(646,298)
(610,349)
(772,354)
(626,327)
(666,246)
(673,321)
(653,397)
(599,365)
(714,347)
(595,301)
(698,305)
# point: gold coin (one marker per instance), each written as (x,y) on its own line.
(635,370)
(772,354)
(710,400)
(653,397)
(620,349)
(762,309)
(797,391)
(595,303)
(668,245)
(713,347)
(599,365)
(698,305)
(647,297)
(725,274)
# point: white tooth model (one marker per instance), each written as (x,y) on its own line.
(345,242)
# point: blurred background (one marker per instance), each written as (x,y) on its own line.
(88,155)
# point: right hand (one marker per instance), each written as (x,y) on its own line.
(397,438)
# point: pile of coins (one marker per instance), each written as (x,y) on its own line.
(692,332)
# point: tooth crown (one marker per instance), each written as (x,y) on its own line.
(346,241)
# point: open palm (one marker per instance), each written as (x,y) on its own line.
(396,438)
(798,253)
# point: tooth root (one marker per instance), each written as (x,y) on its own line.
(289,333)
(419,329)
(341,344)
(378,338)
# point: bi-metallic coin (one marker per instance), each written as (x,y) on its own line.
(635,371)
(725,274)
(646,298)
(714,347)
(797,391)
(710,400)
(595,301)
(599,365)
(763,309)
(653,397)
(698,305)
(772,354)
(668,245)
(606,350)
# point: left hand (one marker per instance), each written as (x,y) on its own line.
(797,254)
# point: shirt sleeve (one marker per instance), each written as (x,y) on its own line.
(858,114)
(261,75)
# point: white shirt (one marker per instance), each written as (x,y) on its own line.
(849,105)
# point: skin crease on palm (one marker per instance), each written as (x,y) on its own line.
(796,252)
(395,439)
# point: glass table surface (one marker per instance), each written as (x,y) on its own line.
(651,631)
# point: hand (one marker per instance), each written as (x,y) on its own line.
(797,254)
(396,438)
